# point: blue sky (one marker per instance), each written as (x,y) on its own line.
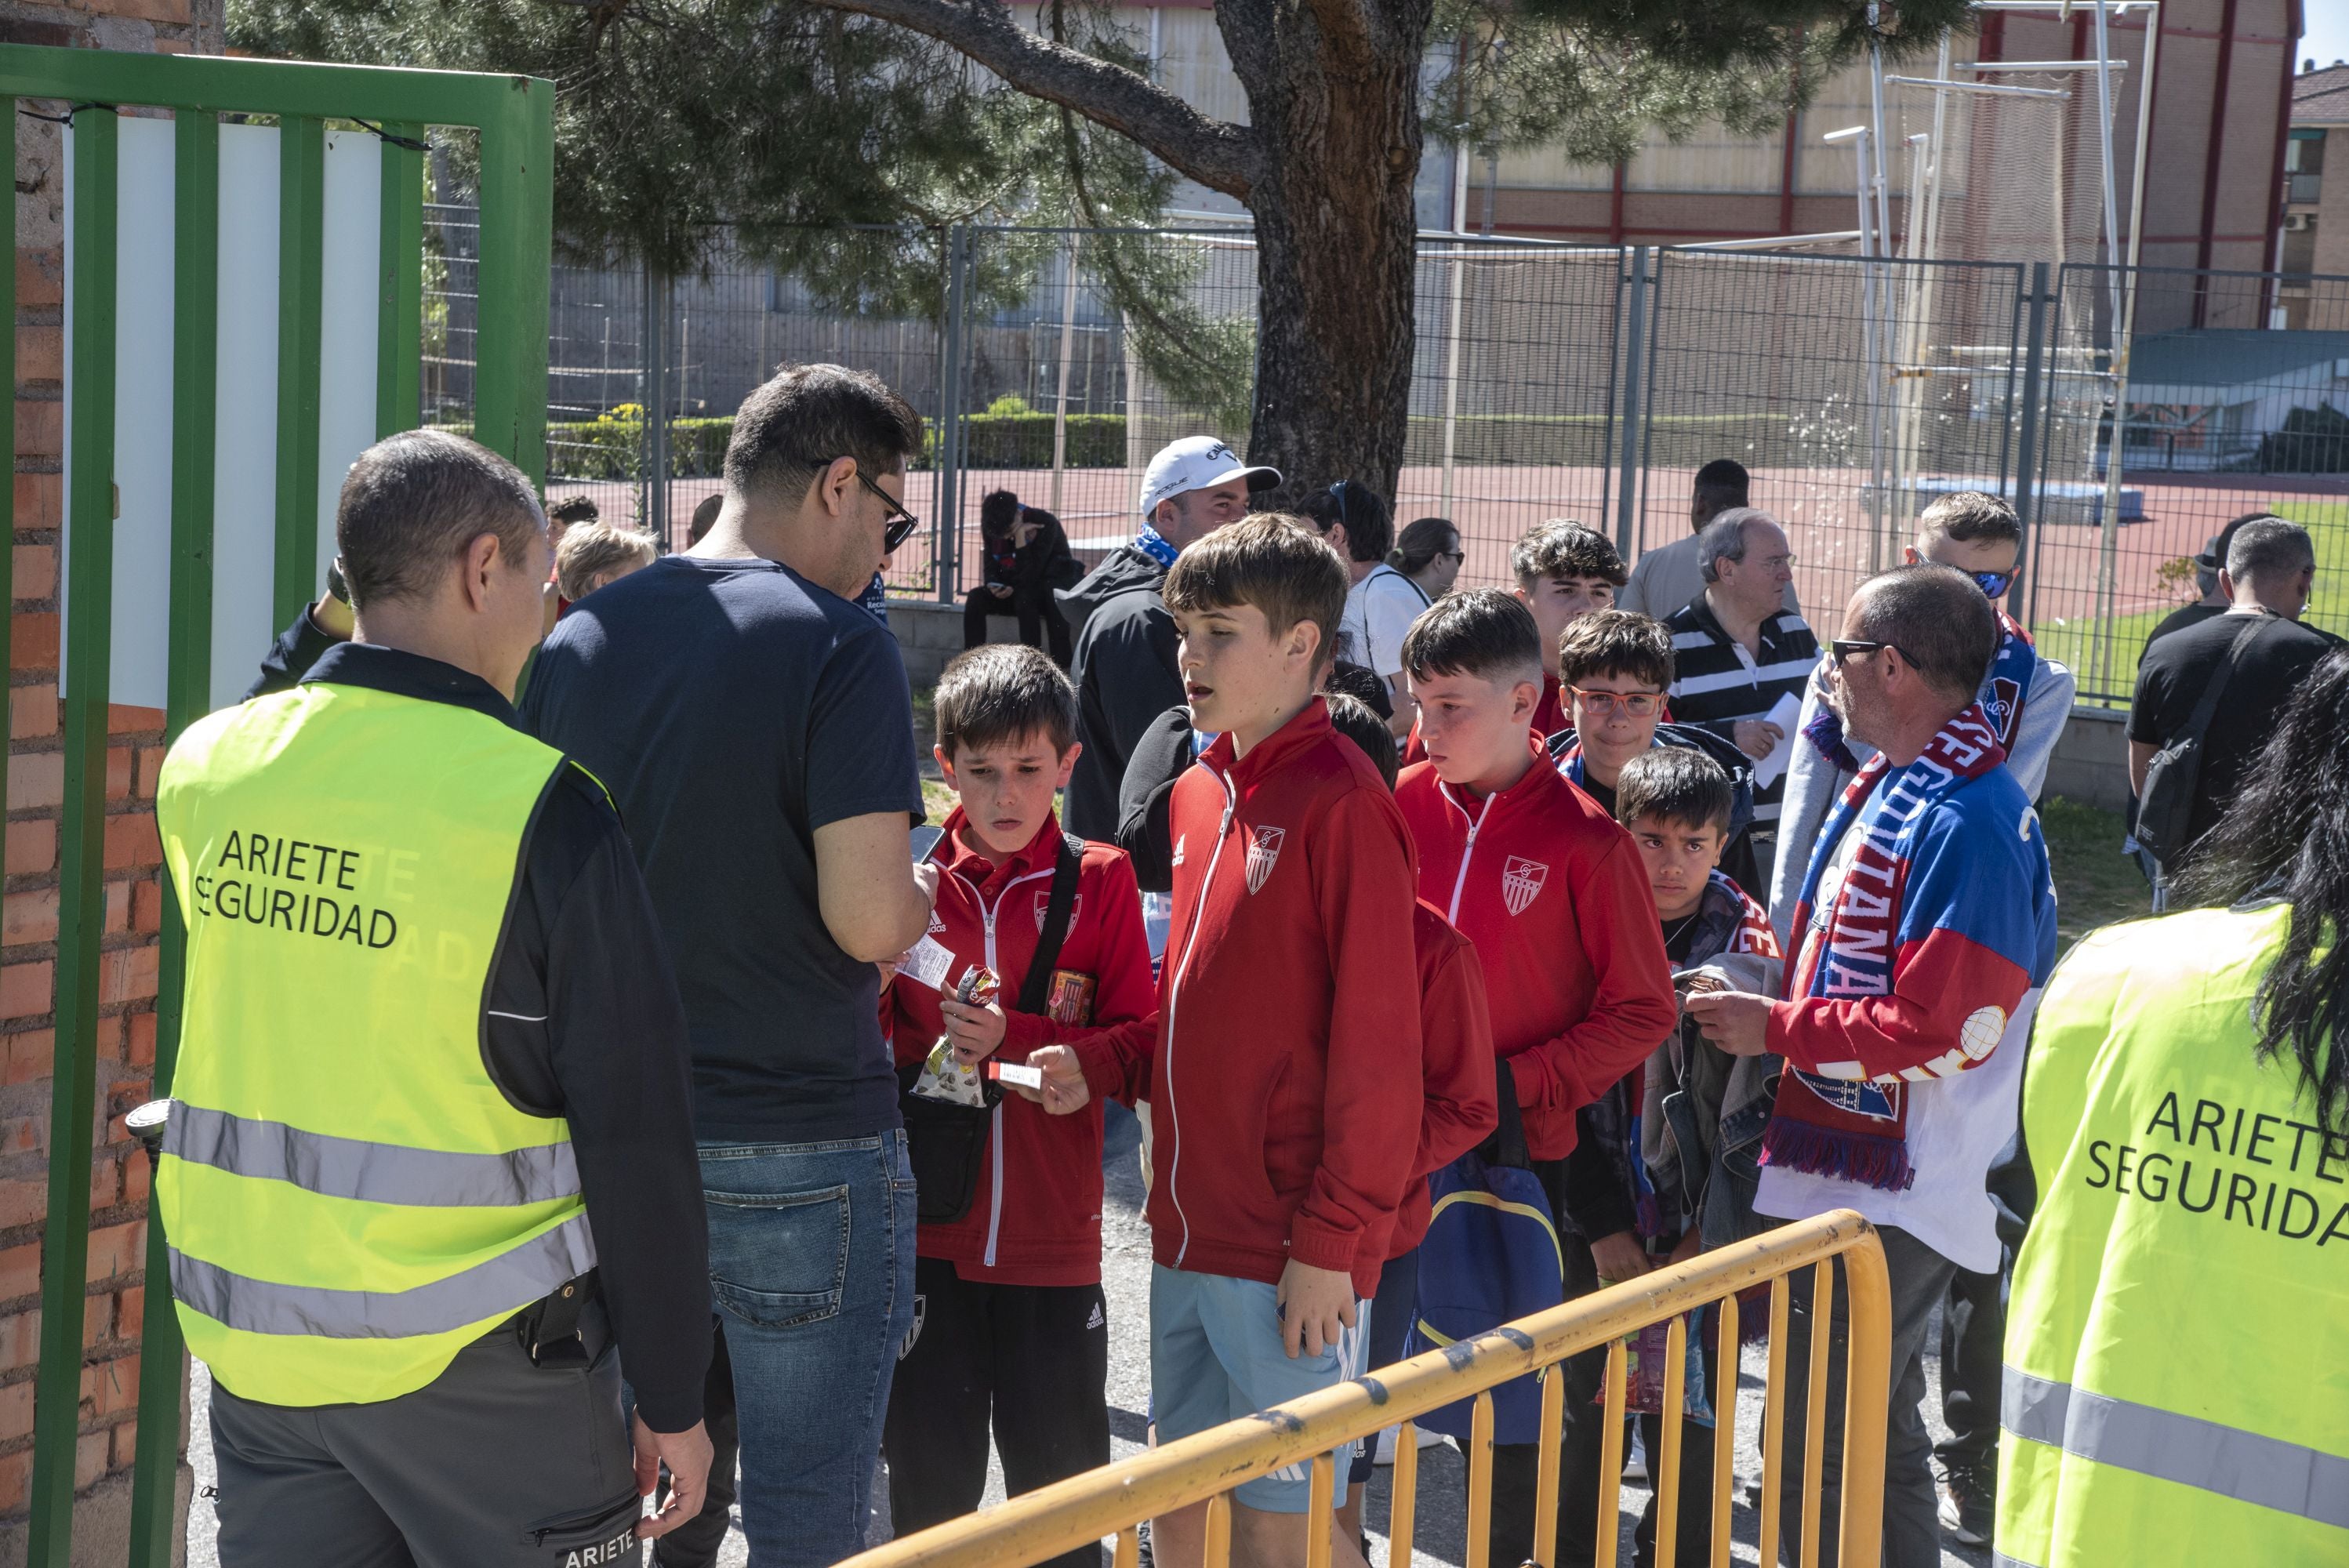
(2327,36)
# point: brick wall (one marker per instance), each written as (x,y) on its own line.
(114,1295)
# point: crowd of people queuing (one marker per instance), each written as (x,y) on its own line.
(1337,875)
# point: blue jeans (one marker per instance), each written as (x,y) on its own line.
(811,1270)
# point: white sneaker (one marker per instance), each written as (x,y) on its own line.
(1635,1464)
(1386,1454)
(1428,1440)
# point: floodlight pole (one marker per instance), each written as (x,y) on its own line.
(1068,345)
(1451,343)
(1869,326)
(2124,341)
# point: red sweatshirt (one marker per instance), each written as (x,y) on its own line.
(1462,1105)
(1036,1216)
(1286,1083)
(1554,897)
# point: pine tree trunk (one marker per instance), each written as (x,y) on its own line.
(1336,226)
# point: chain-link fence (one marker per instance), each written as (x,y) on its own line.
(1549,381)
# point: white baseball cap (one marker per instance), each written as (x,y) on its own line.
(1196,463)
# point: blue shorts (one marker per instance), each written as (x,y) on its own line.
(1215,1355)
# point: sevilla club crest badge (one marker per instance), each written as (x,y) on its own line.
(1264,849)
(1521,882)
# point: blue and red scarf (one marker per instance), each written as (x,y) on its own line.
(1850,1129)
(2002,695)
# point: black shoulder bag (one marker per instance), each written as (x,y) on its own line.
(947,1142)
(2165,812)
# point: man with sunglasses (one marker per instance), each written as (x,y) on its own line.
(754,727)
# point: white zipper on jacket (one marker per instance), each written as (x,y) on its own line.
(1174,999)
(995,1132)
(1475,826)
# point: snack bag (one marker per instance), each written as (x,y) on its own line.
(943,1077)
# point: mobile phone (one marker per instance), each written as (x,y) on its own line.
(925,840)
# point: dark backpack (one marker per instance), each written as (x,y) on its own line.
(946,1144)
(2165,811)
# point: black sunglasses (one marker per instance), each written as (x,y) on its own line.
(902,522)
(1855,649)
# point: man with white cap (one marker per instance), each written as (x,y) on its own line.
(1124,669)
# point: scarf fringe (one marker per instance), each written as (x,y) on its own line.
(1867,1159)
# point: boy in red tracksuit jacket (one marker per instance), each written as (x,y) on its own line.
(1459,1111)
(1554,897)
(1286,1083)
(1009,1319)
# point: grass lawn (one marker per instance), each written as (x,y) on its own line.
(2072,643)
(2095,884)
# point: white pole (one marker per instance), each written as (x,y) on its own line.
(1873,497)
(1068,343)
(2124,341)
(1451,345)
(2104,145)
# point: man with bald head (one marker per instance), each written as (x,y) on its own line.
(1925,927)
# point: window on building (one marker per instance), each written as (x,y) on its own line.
(2299,245)
(2303,164)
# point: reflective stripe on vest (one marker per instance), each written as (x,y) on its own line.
(536,1268)
(348,1196)
(2250,1467)
(370,1172)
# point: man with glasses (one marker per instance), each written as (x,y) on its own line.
(1925,926)
(754,727)
(1737,650)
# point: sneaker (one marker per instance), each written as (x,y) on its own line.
(1386,1454)
(1635,1463)
(1430,1440)
(1968,1506)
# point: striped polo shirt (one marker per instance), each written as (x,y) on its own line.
(1718,681)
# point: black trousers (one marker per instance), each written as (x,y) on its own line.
(496,1463)
(1973,1331)
(1030,1361)
(1039,615)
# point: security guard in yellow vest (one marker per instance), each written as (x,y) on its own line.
(2177,1379)
(430,1166)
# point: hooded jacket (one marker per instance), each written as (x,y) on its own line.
(1125,677)
(1034,1216)
(1462,1103)
(1287,1073)
(1555,899)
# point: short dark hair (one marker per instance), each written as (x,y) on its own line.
(705,517)
(574,509)
(1359,723)
(1565,547)
(2267,545)
(1420,542)
(1483,633)
(1722,484)
(998,513)
(998,692)
(1938,618)
(1676,783)
(793,428)
(1276,561)
(1616,642)
(414,503)
(1357,681)
(1370,522)
(1970,516)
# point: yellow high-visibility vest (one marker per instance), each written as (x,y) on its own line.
(348,1197)
(2177,1378)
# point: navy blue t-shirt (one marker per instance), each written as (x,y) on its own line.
(732,708)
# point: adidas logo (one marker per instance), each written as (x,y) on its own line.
(1096,1320)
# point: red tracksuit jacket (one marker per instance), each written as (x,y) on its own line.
(1286,1083)
(1036,1216)
(1462,1107)
(1554,897)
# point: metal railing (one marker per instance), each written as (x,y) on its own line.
(1115,1499)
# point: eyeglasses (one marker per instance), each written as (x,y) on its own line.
(902,522)
(1638,703)
(1457,557)
(1992,583)
(1855,649)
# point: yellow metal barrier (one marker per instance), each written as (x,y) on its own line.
(1115,1499)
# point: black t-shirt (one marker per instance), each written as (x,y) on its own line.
(732,708)
(2171,677)
(2193,615)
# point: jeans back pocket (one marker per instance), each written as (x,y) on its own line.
(778,1259)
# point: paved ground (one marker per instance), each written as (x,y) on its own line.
(1126,1276)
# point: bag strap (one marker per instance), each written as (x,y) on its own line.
(1032,989)
(1509,1137)
(2206,706)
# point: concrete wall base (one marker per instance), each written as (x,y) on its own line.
(102,1525)
(2091,760)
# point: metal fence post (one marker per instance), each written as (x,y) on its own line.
(1634,343)
(2026,442)
(656,335)
(947,529)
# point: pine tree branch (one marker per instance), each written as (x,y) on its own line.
(1217,154)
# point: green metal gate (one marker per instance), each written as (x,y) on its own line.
(515,119)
